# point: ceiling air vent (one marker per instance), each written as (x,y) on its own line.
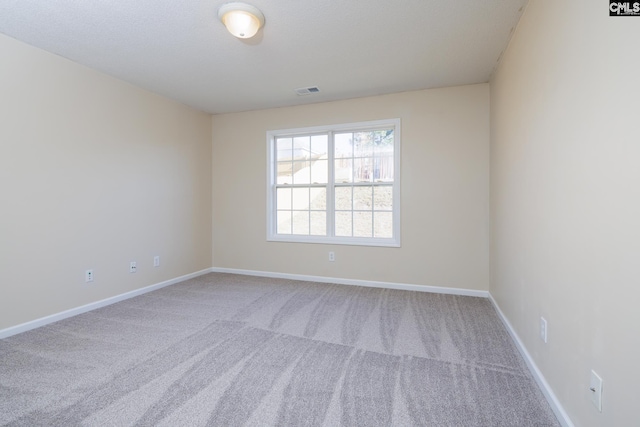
(307,90)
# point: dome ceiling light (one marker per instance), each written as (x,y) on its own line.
(241,19)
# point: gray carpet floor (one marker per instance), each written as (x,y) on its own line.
(230,350)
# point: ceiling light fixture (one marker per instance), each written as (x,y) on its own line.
(241,19)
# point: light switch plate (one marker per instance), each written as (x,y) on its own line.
(543,329)
(595,388)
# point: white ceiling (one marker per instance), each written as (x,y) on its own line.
(348,48)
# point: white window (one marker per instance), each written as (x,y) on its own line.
(335,184)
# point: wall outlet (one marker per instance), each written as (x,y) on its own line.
(88,276)
(156,261)
(543,329)
(133,267)
(595,388)
(332,256)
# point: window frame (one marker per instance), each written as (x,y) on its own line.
(330,238)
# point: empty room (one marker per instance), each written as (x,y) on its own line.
(319,213)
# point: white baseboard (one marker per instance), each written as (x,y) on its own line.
(23,327)
(557,408)
(356,282)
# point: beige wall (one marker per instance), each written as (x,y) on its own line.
(444,179)
(93,173)
(565,201)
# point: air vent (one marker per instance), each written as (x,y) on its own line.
(307,90)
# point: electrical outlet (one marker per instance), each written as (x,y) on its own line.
(88,276)
(595,387)
(543,329)
(133,267)
(332,256)
(156,261)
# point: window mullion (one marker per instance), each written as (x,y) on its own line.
(352,212)
(309,207)
(373,213)
(291,203)
(331,216)
(272,211)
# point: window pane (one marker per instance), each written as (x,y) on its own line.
(284,173)
(301,172)
(363,169)
(284,222)
(362,225)
(320,172)
(343,146)
(301,222)
(319,223)
(362,198)
(383,149)
(343,152)
(343,198)
(383,198)
(383,224)
(301,198)
(383,141)
(343,224)
(283,198)
(320,147)
(284,149)
(383,168)
(343,171)
(318,199)
(301,147)
(363,144)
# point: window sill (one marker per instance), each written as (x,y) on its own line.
(351,241)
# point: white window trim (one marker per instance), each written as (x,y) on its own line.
(273,236)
